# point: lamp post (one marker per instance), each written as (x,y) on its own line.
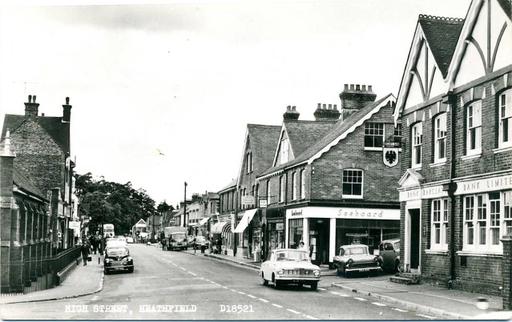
(185,205)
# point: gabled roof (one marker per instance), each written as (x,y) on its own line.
(303,134)
(263,140)
(507,6)
(232,184)
(441,34)
(51,124)
(338,131)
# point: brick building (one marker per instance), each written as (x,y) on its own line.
(455,107)
(222,226)
(258,153)
(42,145)
(329,184)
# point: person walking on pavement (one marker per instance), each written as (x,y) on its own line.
(85,249)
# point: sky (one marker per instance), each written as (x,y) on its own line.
(162,91)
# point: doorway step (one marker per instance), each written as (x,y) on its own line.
(406,278)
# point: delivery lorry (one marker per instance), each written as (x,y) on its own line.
(175,238)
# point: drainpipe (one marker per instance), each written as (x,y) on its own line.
(451,186)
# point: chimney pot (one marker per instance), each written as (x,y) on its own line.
(351,87)
(30,98)
(363,88)
(369,88)
(324,106)
(358,87)
(34,97)
(346,87)
(335,107)
(67,100)
(319,106)
(330,106)
(293,108)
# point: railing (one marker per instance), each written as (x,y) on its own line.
(64,258)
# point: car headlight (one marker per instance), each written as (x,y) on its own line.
(316,272)
(107,260)
(280,272)
(349,263)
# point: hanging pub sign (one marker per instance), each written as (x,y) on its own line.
(390,153)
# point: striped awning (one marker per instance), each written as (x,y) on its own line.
(219,227)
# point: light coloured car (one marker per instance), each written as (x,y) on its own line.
(113,242)
(356,258)
(290,266)
(129,240)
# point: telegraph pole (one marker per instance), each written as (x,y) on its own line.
(185,206)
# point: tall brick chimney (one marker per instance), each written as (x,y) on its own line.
(31,107)
(326,112)
(354,98)
(66,111)
(291,113)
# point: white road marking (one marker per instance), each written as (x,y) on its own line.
(240,292)
(251,296)
(277,305)
(263,300)
(310,317)
(183,268)
(293,311)
(232,290)
(193,274)
(360,299)
(425,316)
(322,289)
(378,304)
(399,310)
(224,287)
(339,294)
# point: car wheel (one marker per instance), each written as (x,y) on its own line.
(130,270)
(301,285)
(265,282)
(314,285)
(397,267)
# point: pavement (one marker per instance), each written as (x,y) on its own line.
(81,281)
(422,298)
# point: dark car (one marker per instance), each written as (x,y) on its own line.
(117,258)
(389,254)
(356,258)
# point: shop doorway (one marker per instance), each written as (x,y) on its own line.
(319,240)
(414,239)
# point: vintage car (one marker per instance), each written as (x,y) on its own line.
(389,255)
(117,257)
(290,266)
(356,258)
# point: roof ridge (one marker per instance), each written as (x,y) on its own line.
(440,18)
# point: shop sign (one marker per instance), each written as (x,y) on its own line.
(423,193)
(263,203)
(279,226)
(247,200)
(360,213)
(482,185)
(296,212)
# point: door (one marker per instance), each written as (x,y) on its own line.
(414,250)
(319,240)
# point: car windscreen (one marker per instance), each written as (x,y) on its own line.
(116,251)
(292,256)
(356,251)
(178,236)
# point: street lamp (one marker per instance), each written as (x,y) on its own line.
(185,206)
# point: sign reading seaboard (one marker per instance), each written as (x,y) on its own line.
(343,213)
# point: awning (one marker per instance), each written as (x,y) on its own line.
(203,221)
(218,227)
(244,222)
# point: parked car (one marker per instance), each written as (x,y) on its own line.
(356,258)
(290,266)
(129,240)
(389,255)
(117,257)
(114,242)
(201,242)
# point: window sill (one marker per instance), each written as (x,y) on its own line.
(416,166)
(351,197)
(471,156)
(475,253)
(502,149)
(434,251)
(438,163)
(372,149)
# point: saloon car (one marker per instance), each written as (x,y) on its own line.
(389,255)
(290,266)
(117,258)
(356,258)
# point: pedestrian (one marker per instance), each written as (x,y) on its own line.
(85,249)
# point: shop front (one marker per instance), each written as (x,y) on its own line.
(273,228)
(325,229)
(248,234)
(221,237)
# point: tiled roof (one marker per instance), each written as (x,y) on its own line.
(263,141)
(303,134)
(339,128)
(442,34)
(232,184)
(52,124)
(24,183)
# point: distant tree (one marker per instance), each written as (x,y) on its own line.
(163,207)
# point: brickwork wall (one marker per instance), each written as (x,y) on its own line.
(380,181)
(38,156)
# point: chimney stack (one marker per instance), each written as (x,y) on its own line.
(326,112)
(291,113)
(354,98)
(31,107)
(66,111)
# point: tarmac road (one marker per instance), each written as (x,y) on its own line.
(176,285)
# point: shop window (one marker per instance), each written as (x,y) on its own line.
(494,214)
(474,128)
(373,135)
(439,224)
(295,232)
(417,141)
(505,119)
(482,219)
(352,183)
(440,138)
